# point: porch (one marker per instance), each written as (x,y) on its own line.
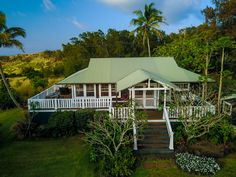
(146,95)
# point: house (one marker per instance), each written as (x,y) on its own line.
(106,82)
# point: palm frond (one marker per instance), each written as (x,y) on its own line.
(16,32)
(2,21)
(13,43)
(139,13)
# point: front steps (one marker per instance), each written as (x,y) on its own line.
(155,143)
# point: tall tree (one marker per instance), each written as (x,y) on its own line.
(8,38)
(148,22)
(222,44)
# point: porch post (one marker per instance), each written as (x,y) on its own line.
(158,98)
(99,90)
(130,95)
(109,90)
(84,89)
(165,98)
(73,91)
(132,92)
(149,83)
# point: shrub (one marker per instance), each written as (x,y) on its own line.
(67,123)
(110,144)
(180,135)
(221,132)
(61,124)
(23,128)
(82,119)
(121,165)
(199,165)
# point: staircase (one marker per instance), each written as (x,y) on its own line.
(155,143)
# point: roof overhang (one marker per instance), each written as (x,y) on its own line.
(140,76)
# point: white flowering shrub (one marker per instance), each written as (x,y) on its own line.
(200,165)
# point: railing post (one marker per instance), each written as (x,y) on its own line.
(55,103)
(82,103)
(134,128)
(171,146)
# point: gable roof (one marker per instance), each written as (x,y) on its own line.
(115,70)
(140,76)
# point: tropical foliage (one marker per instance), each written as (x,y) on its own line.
(148,22)
(8,39)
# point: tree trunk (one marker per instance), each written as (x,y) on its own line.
(206,75)
(8,89)
(148,44)
(221,80)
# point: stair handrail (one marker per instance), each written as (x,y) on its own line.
(169,129)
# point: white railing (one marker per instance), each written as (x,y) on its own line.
(121,113)
(198,111)
(74,103)
(169,129)
(46,92)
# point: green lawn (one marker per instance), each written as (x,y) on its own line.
(7,118)
(167,168)
(43,157)
(69,157)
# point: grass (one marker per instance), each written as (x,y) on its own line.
(66,157)
(167,168)
(7,119)
(42,157)
(69,157)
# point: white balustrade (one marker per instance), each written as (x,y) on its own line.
(198,111)
(169,129)
(121,113)
(49,104)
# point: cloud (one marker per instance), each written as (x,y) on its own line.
(77,24)
(189,21)
(124,5)
(174,11)
(48,5)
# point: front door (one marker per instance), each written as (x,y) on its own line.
(149,99)
(145,99)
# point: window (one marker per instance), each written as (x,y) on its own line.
(104,90)
(149,94)
(139,93)
(90,89)
(113,90)
(79,90)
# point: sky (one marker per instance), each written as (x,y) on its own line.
(51,23)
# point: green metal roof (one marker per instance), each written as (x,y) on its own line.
(139,76)
(115,70)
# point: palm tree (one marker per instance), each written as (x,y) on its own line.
(147,22)
(8,39)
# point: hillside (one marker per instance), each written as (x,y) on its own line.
(30,73)
(48,60)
